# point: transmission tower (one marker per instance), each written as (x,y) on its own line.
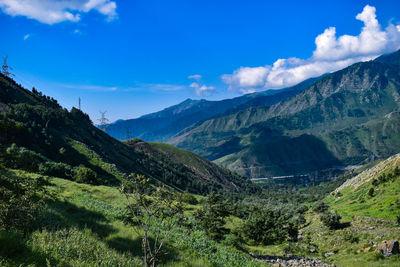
(5,69)
(103,121)
(128,133)
(79,103)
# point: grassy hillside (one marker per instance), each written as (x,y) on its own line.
(195,169)
(39,135)
(83,225)
(355,198)
(367,219)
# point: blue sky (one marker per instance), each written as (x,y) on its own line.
(135,57)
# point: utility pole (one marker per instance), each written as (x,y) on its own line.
(5,69)
(79,103)
(103,121)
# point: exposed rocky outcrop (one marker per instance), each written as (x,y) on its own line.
(370,173)
(387,248)
(291,261)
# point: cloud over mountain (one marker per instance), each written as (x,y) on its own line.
(332,53)
(54,11)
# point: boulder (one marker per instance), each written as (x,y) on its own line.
(387,248)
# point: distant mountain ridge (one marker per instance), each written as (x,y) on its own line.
(161,126)
(311,129)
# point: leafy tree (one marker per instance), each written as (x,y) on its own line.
(155,212)
(19,202)
(331,219)
(267,226)
(22,158)
(212,216)
(321,207)
(85,175)
(189,198)
(57,169)
(371,192)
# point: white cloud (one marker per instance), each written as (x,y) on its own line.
(26,36)
(196,77)
(331,54)
(201,89)
(56,11)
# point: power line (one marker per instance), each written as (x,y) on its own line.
(103,121)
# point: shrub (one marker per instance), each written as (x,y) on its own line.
(85,175)
(57,169)
(351,237)
(321,207)
(267,226)
(19,202)
(22,158)
(189,198)
(371,192)
(331,219)
(396,171)
(212,216)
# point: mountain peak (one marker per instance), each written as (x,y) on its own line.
(392,58)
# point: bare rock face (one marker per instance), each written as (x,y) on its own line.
(387,248)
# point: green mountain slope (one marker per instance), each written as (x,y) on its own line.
(54,135)
(162,125)
(256,138)
(354,197)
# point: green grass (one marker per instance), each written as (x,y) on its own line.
(82,226)
(371,220)
(96,160)
(186,157)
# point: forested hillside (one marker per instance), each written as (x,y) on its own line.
(37,134)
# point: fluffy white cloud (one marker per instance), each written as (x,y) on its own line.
(55,11)
(201,89)
(26,36)
(195,77)
(331,54)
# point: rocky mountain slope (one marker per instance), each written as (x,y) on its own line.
(162,125)
(357,99)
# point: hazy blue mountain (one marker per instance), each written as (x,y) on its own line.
(162,125)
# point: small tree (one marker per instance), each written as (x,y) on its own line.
(20,202)
(212,216)
(154,211)
(321,207)
(85,175)
(371,192)
(331,219)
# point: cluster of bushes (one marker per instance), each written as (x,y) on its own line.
(331,219)
(20,202)
(21,158)
(16,157)
(383,178)
(80,174)
(262,224)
